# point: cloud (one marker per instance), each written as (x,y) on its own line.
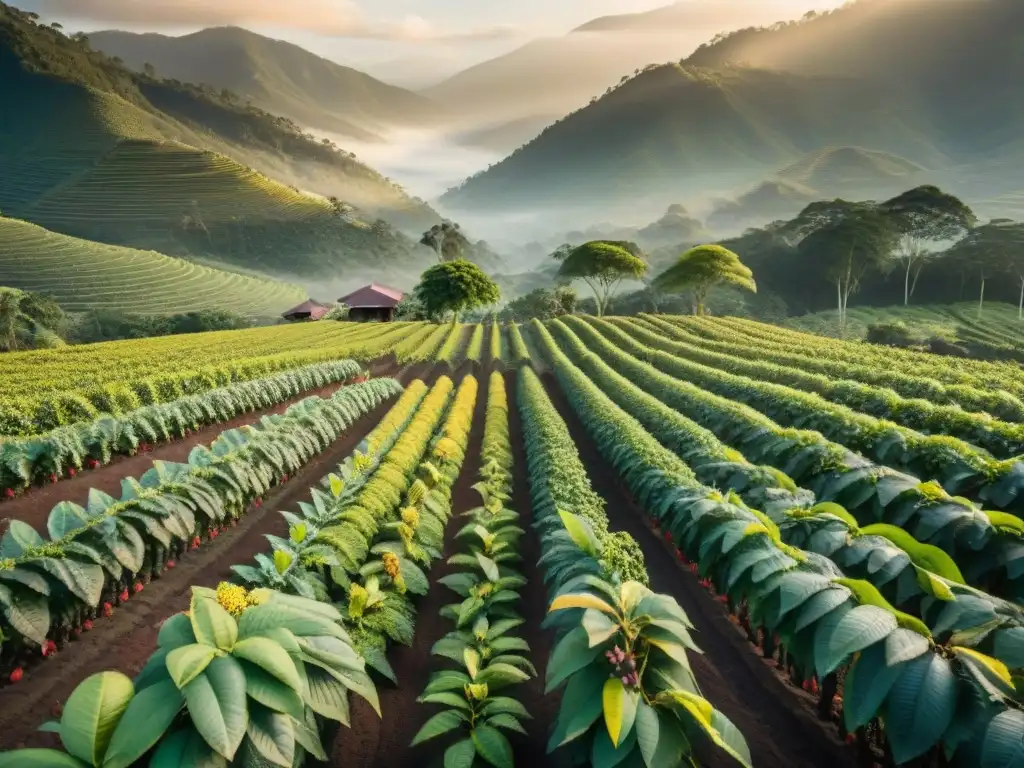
(329,18)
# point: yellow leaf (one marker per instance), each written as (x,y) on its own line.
(337,485)
(581,600)
(613,697)
(995,666)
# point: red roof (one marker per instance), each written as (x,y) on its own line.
(373,296)
(314,309)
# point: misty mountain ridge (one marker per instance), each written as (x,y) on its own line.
(108,155)
(683,130)
(275,75)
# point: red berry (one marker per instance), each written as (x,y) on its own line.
(124,595)
(17,674)
(108,609)
(72,471)
(87,624)
(171,563)
(137,587)
(57,709)
(53,478)
(9,493)
(49,648)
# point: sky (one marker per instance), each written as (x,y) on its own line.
(388,32)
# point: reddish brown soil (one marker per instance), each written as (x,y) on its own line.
(126,640)
(777,720)
(34,506)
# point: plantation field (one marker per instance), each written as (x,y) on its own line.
(82,275)
(647,541)
(997,326)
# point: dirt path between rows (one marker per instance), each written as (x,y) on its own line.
(381,742)
(126,640)
(778,722)
(34,506)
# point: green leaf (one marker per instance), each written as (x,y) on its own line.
(581,533)
(920,706)
(217,705)
(65,518)
(598,627)
(83,580)
(1003,745)
(186,747)
(327,696)
(91,714)
(270,656)
(308,736)
(867,683)
(837,636)
(147,718)
(263,687)
(647,732)
(488,566)
(492,746)
(211,623)
(498,674)
(40,758)
(572,653)
(438,725)
(619,710)
(19,537)
(28,613)
(176,632)
(506,721)
(272,735)
(184,664)
(460,754)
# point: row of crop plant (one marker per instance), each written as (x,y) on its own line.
(979,374)
(986,545)
(928,697)
(49,587)
(1000,438)
(65,451)
(629,695)
(814,360)
(244,677)
(37,396)
(960,468)
(919,579)
(483,653)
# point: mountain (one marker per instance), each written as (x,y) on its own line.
(93,150)
(277,76)
(552,76)
(851,172)
(838,79)
(81,275)
(675,127)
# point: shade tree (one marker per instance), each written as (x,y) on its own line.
(702,268)
(603,265)
(924,217)
(990,250)
(454,287)
(447,241)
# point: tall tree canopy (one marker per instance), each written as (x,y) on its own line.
(700,269)
(455,286)
(447,241)
(989,250)
(924,216)
(844,241)
(603,265)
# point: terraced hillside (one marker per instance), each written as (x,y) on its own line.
(81,275)
(997,327)
(650,541)
(87,137)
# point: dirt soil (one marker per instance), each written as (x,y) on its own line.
(777,720)
(125,641)
(34,506)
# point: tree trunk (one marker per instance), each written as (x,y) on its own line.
(981,297)
(906,284)
(839,299)
(1020,304)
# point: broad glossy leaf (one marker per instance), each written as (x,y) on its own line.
(40,758)
(920,706)
(438,725)
(619,707)
(143,724)
(217,705)
(460,754)
(492,746)
(272,734)
(212,624)
(271,657)
(91,714)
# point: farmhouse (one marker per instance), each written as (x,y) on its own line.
(372,302)
(307,310)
